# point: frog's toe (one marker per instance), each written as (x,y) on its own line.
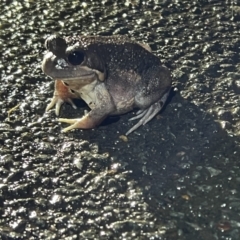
(69,120)
(70,101)
(74,123)
(59,103)
(55,101)
(139,114)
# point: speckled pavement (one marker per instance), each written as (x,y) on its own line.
(177,177)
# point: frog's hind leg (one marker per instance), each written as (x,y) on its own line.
(146,115)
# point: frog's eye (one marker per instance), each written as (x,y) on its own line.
(76,57)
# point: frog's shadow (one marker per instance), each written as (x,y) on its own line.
(170,149)
(167,151)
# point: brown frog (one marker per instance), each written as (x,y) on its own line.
(113,75)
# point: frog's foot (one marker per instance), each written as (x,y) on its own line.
(146,115)
(58,101)
(61,95)
(85,122)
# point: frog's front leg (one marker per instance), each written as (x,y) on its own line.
(101,105)
(61,94)
(90,120)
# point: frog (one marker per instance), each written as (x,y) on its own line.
(114,75)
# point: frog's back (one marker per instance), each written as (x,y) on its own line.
(86,41)
(120,53)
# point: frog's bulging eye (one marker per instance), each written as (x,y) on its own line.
(76,58)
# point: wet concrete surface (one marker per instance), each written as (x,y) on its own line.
(177,177)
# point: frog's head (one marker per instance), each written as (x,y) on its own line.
(68,60)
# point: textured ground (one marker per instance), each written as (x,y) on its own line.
(175,178)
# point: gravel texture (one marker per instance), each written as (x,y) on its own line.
(177,177)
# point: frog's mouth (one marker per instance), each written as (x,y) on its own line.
(59,68)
